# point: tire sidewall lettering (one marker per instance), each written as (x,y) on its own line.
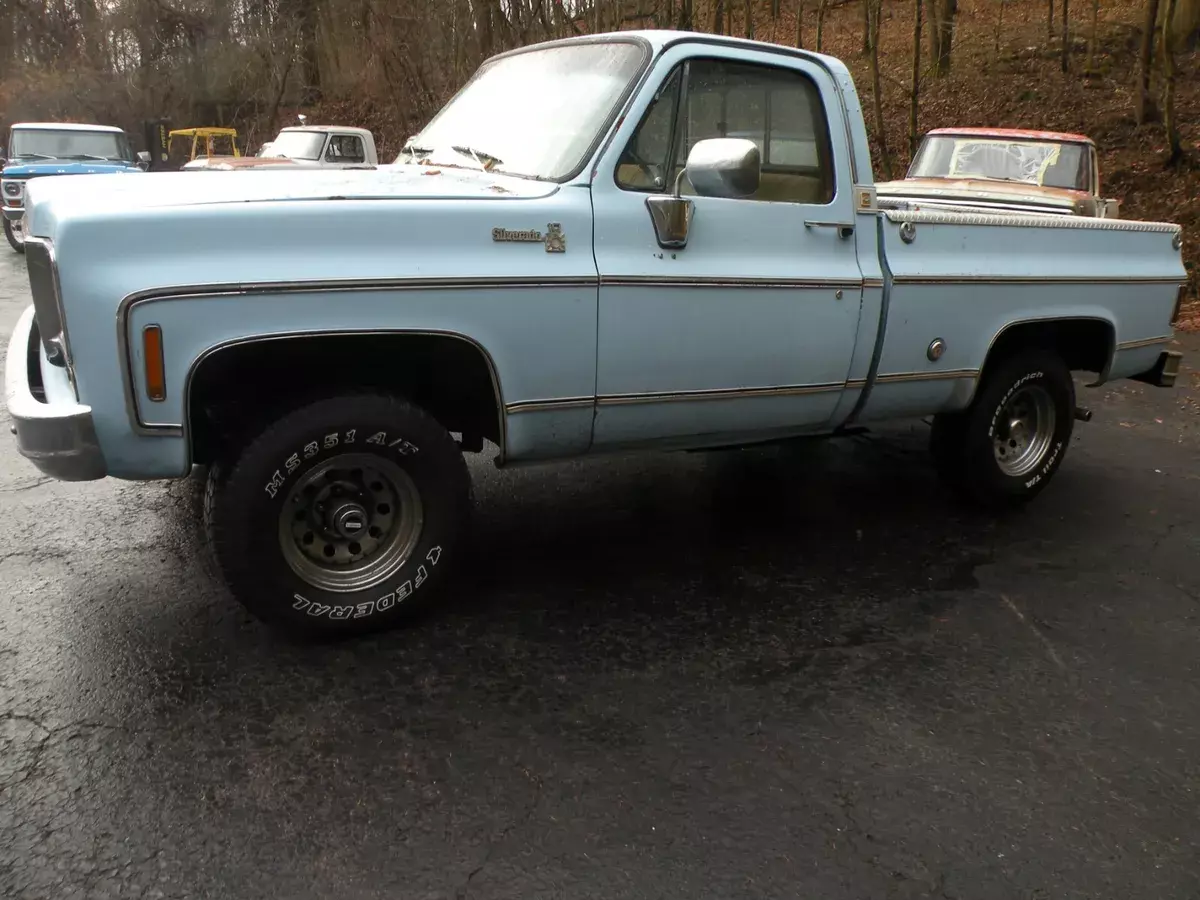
(332,441)
(370,607)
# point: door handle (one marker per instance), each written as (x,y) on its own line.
(845,229)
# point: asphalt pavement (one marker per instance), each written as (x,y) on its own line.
(793,673)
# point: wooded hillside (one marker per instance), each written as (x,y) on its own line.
(1122,71)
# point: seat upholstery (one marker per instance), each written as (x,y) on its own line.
(775,187)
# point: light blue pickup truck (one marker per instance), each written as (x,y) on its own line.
(574,256)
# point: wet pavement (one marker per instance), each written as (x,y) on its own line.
(784,673)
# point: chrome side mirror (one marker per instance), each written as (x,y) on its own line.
(724,167)
(717,167)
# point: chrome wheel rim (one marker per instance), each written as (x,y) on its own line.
(350,523)
(1024,430)
(18,232)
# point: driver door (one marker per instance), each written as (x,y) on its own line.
(748,331)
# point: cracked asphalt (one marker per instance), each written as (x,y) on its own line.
(786,673)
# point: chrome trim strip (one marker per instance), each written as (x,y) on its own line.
(1146,342)
(522,406)
(713,282)
(1032,279)
(786,390)
(1019,220)
(872,282)
(909,377)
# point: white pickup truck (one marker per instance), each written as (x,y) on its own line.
(303,147)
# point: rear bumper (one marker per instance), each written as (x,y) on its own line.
(59,438)
(1164,372)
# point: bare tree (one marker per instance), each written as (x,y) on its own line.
(1066,38)
(1094,36)
(1170,125)
(885,158)
(821,23)
(748,18)
(799,23)
(1143,103)
(941,34)
(916,80)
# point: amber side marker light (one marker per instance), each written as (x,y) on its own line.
(156,378)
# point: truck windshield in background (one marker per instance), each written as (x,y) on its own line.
(34,143)
(535,113)
(1044,163)
(298,144)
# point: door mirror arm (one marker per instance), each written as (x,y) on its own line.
(717,167)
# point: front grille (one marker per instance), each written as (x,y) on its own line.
(47,305)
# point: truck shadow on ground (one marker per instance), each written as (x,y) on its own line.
(809,547)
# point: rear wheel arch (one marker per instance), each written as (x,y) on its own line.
(233,386)
(1084,343)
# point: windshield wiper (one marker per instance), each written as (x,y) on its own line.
(416,152)
(85,156)
(486,160)
(34,156)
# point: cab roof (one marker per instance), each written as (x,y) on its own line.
(63,126)
(1018,133)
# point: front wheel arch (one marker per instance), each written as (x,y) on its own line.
(233,386)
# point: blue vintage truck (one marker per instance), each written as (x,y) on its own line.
(574,256)
(38,149)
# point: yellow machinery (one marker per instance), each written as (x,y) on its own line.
(204,140)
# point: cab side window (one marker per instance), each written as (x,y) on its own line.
(345,148)
(780,110)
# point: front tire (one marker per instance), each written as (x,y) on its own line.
(16,237)
(342,517)
(1002,451)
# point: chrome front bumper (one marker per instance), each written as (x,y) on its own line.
(13,213)
(58,437)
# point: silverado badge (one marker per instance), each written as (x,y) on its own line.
(554,239)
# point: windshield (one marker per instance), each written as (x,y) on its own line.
(535,113)
(1044,163)
(298,144)
(47,143)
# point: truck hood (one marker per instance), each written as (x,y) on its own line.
(66,167)
(50,201)
(1001,192)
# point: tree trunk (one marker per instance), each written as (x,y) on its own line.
(748,16)
(916,80)
(941,34)
(820,24)
(1050,20)
(999,28)
(718,25)
(873,17)
(1091,62)
(1170,125)
(1066,38)
(1185,25)
(799,23)
(866,42)
(1143,103)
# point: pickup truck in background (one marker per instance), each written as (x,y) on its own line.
(38,149)
(1003,169)
(303,147)
(572,257)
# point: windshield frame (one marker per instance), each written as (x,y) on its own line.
(602,132)
(124,146)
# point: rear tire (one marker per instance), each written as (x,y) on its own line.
(341,517)
(1002,451)
(16,237)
